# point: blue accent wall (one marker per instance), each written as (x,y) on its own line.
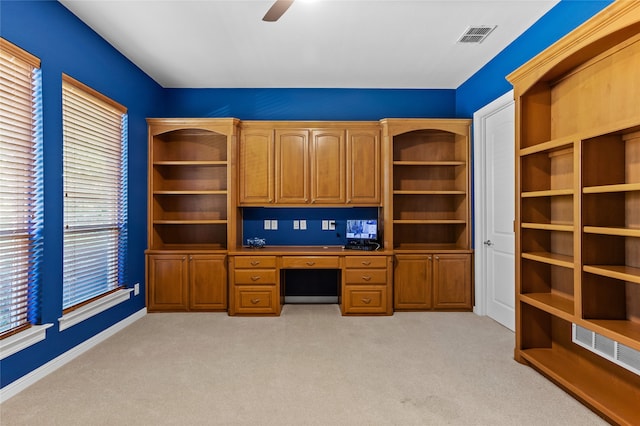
(254,217)
(490,81)
(64,44)
(311,104)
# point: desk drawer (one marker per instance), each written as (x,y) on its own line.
(311,262)
(366,261)
(365,299)
(253,262)
(366,276)
(256,276)
(256,300)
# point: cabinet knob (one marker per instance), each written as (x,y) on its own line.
(310,263)
(255,262)
(255,301)
(366,262)
(366,300)
(190,257)
(255,278)
(366,277)
(437,257)
(429,258)
(184,257)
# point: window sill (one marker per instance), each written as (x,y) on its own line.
(23,340)
(94,308)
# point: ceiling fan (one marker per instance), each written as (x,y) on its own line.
(278,8)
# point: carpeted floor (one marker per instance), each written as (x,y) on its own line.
(310,366)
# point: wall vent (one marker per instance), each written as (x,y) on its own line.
(618,353)
(476,34)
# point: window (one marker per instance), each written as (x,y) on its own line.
(20,188)
(95,194)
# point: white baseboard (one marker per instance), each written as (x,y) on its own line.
(27,380)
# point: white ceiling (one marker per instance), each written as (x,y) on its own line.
(320,44)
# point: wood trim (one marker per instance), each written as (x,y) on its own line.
(19,53)
(83,87)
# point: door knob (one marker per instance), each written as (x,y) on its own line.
(488,243)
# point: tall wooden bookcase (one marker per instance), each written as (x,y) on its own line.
(191,212)
(578,212)
(427,212)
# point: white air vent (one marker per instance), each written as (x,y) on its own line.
(476,34)
(615,352)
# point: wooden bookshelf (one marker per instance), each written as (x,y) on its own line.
(578,210)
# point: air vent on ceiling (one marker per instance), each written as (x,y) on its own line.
(476,34)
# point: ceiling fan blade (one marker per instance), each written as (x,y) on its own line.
(277,10)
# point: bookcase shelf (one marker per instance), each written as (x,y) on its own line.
(427,212)
(578,210)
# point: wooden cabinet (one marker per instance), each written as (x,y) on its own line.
(427,217)
(256,156)
(186,282)
(432,281)
(292,166)
(363,166)
(578,213)
(366,288)
(329,164)
(190,219)
(328,170)
(254,286)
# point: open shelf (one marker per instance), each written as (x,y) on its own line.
(553,303)
(578,204)
(548,226)
(619,272)
(550,258)
(189,177)
(189,145)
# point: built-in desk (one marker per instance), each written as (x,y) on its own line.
(255,288)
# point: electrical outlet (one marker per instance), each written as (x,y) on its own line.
(296,224)
(332,225)
(136,289)
(325,225)
(274,225)
(303,224)
(267,224)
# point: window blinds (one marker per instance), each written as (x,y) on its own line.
(21,187)
(94,169)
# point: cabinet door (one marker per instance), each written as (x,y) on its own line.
(256,166)
(363,166)
(207,282)
(412,281)
(452,281)
(327,167)
(292,166)
(167,288)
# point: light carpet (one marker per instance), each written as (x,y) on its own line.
(310,366)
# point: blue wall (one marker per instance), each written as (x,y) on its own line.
(66,45)
(490,81)
(311,104)
(253,224)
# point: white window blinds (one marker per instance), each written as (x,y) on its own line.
(95,176)
(21,187)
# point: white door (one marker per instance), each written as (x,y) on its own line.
(494,138)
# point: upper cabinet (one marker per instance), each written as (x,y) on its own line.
(363,166)
(297,163)
(256,184)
